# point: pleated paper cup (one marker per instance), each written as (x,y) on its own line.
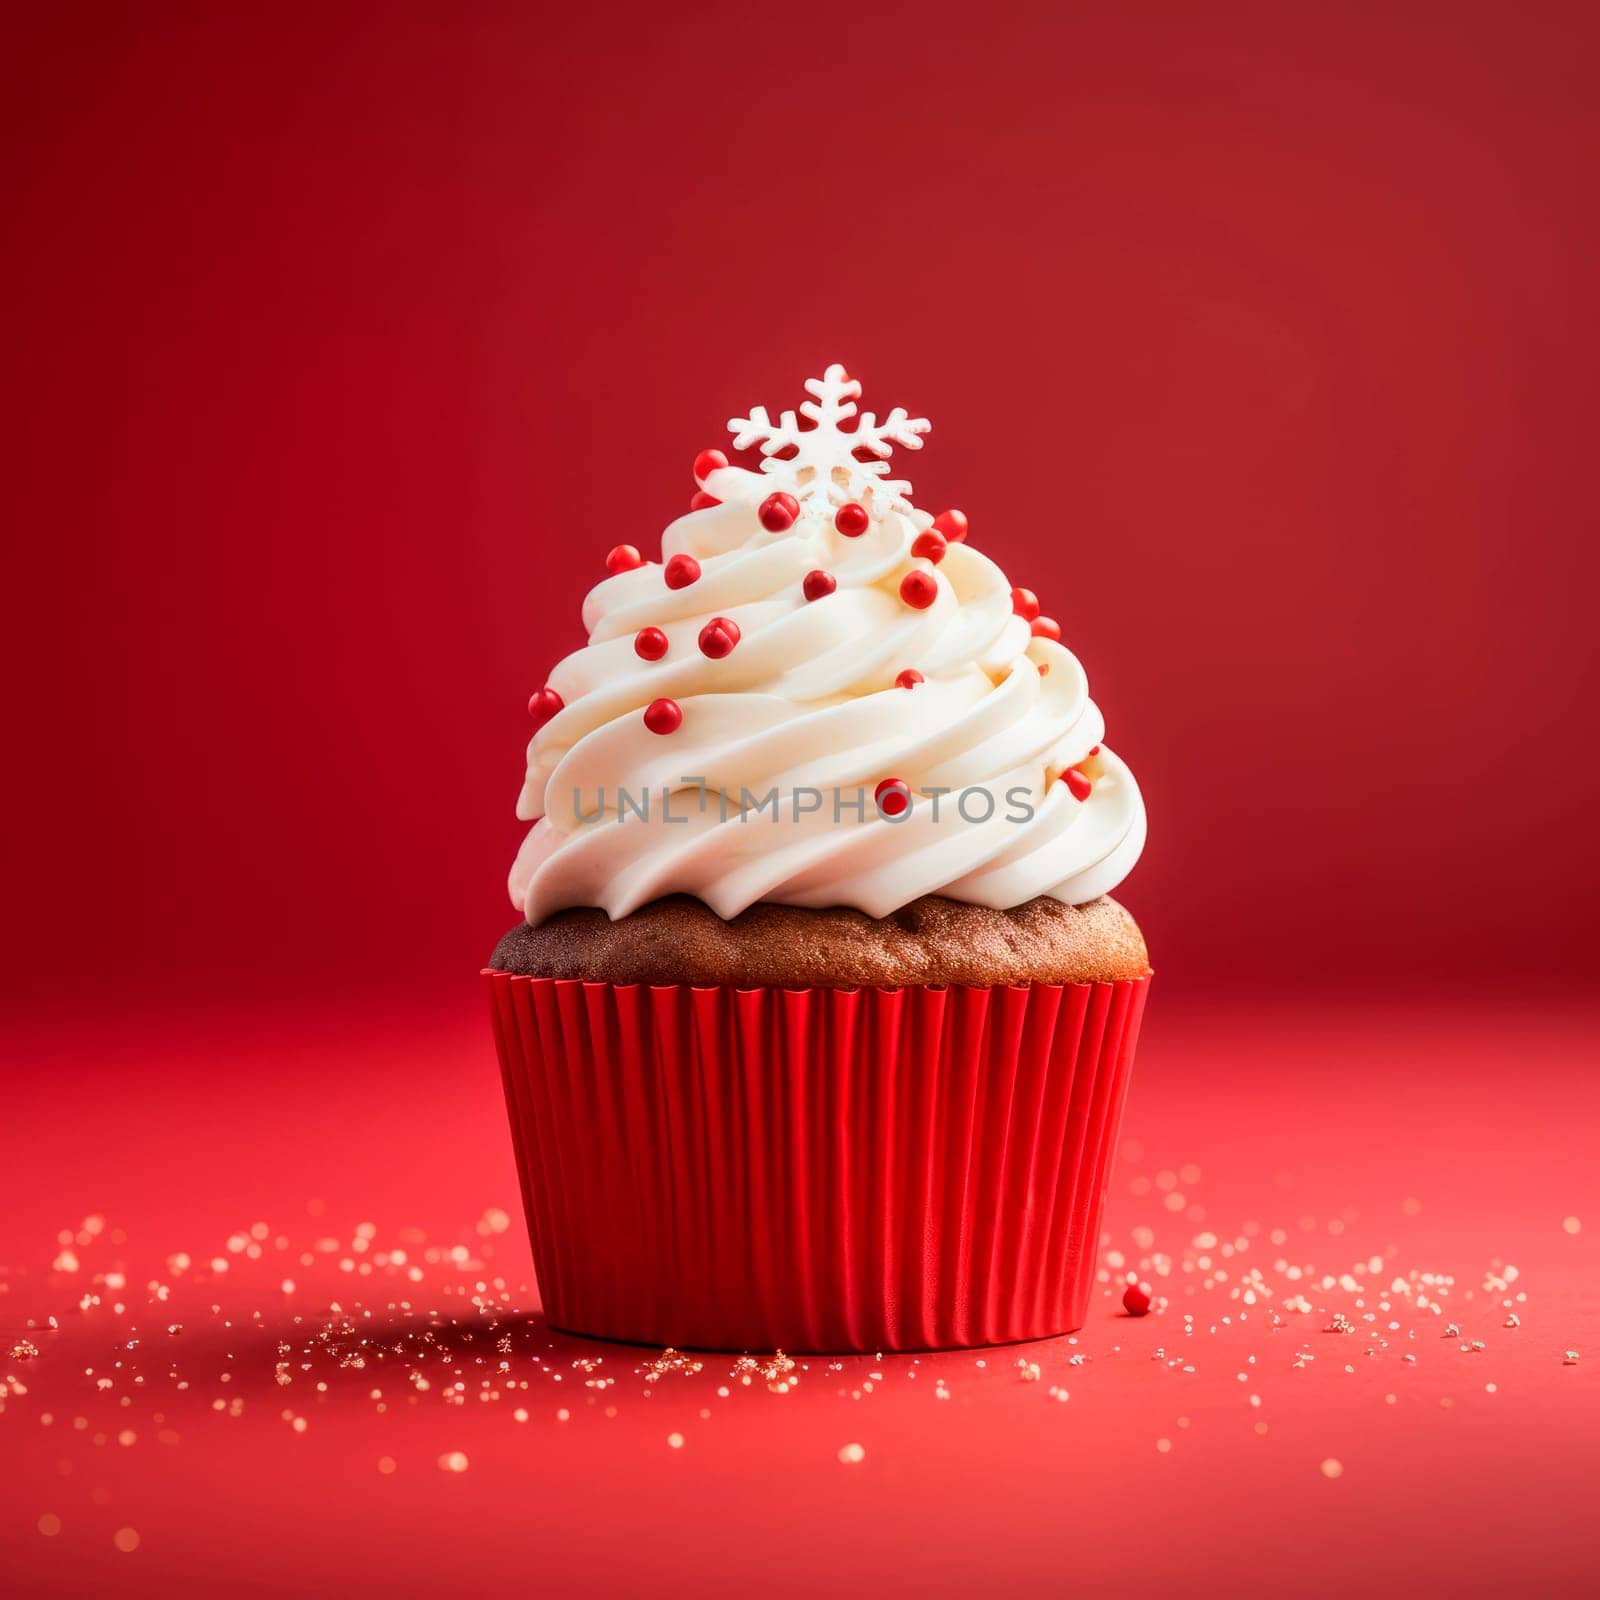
(814,1170)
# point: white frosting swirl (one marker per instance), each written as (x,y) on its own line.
(806,706)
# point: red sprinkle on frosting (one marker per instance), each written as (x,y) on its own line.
(701,501)
(1025,603)
(1045,628)
(718,637)
(1080,786)
(852,520)
(543,704)
(930,545)
(778,512)
(707,462)
(819,584)
(650,644)
(681,571)
(893,797)
(919,589)
(908,679)
(953,525)
(623,558)
(663,716)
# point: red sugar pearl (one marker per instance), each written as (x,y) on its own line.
(1045,628)
(930,545)
(908,679)
(1094,752)
(543,704)
(819,584)
(953,525)
(919,589)
(707,462)
(623,558)
(663,716)
(852,520)
(1080,786)
(893,797)
(1025,603)
(718,637)
(650,644)
(681,571)
(1136,1300)
(700,500)
(778,512)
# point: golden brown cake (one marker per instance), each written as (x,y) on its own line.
(931,941)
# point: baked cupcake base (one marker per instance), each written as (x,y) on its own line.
(740,1165)
(930,941)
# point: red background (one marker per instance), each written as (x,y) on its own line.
(340,345)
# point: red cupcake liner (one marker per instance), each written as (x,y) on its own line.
(814,1169)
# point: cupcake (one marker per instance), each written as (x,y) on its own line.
(816,1028)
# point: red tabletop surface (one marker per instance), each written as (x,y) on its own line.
(297,1346)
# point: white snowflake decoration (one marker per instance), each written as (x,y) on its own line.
(824,454)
